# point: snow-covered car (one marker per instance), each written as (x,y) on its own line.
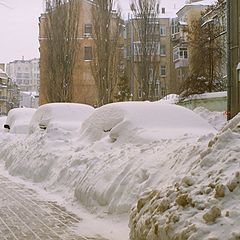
(133,121)
(2,123)
(67,116)
(18,120)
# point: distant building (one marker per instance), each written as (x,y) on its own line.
(29,99)
(9,94)
(25,73)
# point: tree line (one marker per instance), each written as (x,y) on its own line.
(111,78)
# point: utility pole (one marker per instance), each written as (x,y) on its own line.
(233,33)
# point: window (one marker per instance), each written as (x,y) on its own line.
(151,48)
(88,29)
(162,50)
(163,70)
(163,10)
(163,30)
(180,53)
(87,53)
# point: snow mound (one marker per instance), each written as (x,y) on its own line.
(171,98)
(134,121)
(215,119)
(68,116)
(201,204)
(19,119)
(123,150)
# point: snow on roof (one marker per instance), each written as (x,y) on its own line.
(3,74)
(204,2)
(208,95)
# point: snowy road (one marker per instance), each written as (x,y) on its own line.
(24,217)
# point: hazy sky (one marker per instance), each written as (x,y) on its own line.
(19,27)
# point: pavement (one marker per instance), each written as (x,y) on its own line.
(25,216)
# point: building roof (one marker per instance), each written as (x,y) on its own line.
(3,75)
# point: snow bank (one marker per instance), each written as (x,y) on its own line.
(18,120)
(181,175)
(215,119)
(201,204)
(68,116)
(121,151)
(171,98)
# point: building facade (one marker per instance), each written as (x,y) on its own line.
(9,94)
(160,48)
(180,46)
(25,73)
(84,88)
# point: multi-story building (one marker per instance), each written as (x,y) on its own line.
(162,57)
(9,94)
(25,73)
(215,21)
(181,50)
(84,88)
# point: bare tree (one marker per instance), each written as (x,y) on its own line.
(106,64)
(206,60)
(146,60)
(61,47)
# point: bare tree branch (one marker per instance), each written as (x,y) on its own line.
(146,45)
(107,28)
(61,48)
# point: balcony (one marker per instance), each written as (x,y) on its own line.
(3,98)
(181,63)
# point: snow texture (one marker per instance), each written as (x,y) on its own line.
(176,167)
(18,120)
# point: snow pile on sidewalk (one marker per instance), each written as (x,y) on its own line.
(121,150)
(216,119)
(126,149)
(201,204)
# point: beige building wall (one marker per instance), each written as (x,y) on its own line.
(180,64)
(84,88)
(164,60)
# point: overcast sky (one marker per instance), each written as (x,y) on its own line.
(19,27)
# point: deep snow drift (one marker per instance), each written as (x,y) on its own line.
(127,150)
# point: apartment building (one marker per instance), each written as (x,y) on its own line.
(9,93)
(160,80)
(84,88)
(25,73)
(180,46)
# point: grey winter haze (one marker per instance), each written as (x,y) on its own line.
(19,26)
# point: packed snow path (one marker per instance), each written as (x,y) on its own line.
(24,217)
